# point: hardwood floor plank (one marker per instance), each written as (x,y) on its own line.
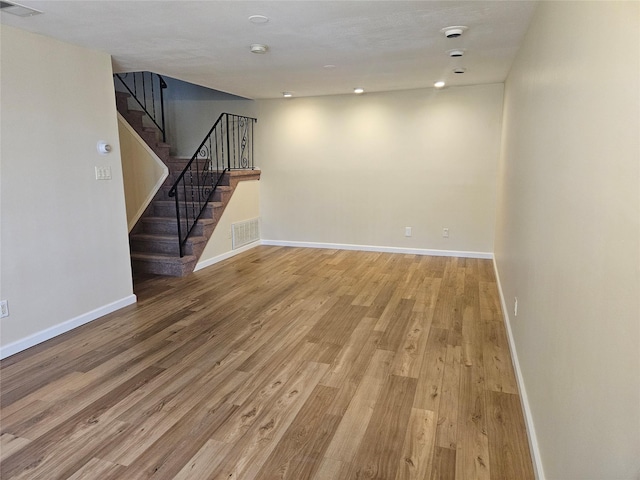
(508,443)
(349,353)
(96,468)
(417,450)
(429,388)
(447,431)
(204,461)
(253,448)
(167,455)
(331,469)
(9,444)
(151,425)
(45,445)
(353,375)
(472,452)
(277,363)
(397,325)
(409,357)
(352,428)
(298,453)
(386,431)
(500,376)
(444,464)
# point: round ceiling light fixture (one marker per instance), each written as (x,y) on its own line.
(259,48)
(456,52)
(358,90)
(454,31)
(287,94)
(258,19)
(459,70)
(439,84)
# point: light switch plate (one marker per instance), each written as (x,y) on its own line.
(103,173)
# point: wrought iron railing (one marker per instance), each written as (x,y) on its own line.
(147,88)
(227,146)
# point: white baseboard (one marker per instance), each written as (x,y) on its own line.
(211,261)
(375,248)
(524,400)
(49,333)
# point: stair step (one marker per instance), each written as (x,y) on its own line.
(161,264)
(163,244)
(221,192)
(175,174)
(168,226)
(167,208)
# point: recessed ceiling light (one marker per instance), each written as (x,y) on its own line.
(454,31)
(258,19)
(17,9)
(439,84)
(358,90)
(459,70)
(287,94)
(259,48)
(329,66)
(458,52)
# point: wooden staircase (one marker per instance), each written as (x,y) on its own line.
(154,239)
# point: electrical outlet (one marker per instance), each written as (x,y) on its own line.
(445,233)
(515,307)
(4,308)
(407,231)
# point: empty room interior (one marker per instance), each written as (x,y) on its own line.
(320,240)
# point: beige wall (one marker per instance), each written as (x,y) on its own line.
(359,169)
(568,235)
(143,172)
(65,254)
(244,205)
(191,111)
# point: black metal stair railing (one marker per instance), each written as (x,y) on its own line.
(147,88)
(227,146)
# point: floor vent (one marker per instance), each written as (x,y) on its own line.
(245,232)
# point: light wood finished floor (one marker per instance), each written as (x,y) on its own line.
(278,363)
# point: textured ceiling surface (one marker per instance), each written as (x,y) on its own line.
(378,45)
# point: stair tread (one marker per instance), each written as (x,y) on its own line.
(166,238)
(172,202)
(224,188)
(154,219)
(134,112)
(162,257)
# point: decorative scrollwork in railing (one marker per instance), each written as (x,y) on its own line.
(147,89)
(227,146)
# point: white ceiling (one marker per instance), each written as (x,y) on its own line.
(378,45)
